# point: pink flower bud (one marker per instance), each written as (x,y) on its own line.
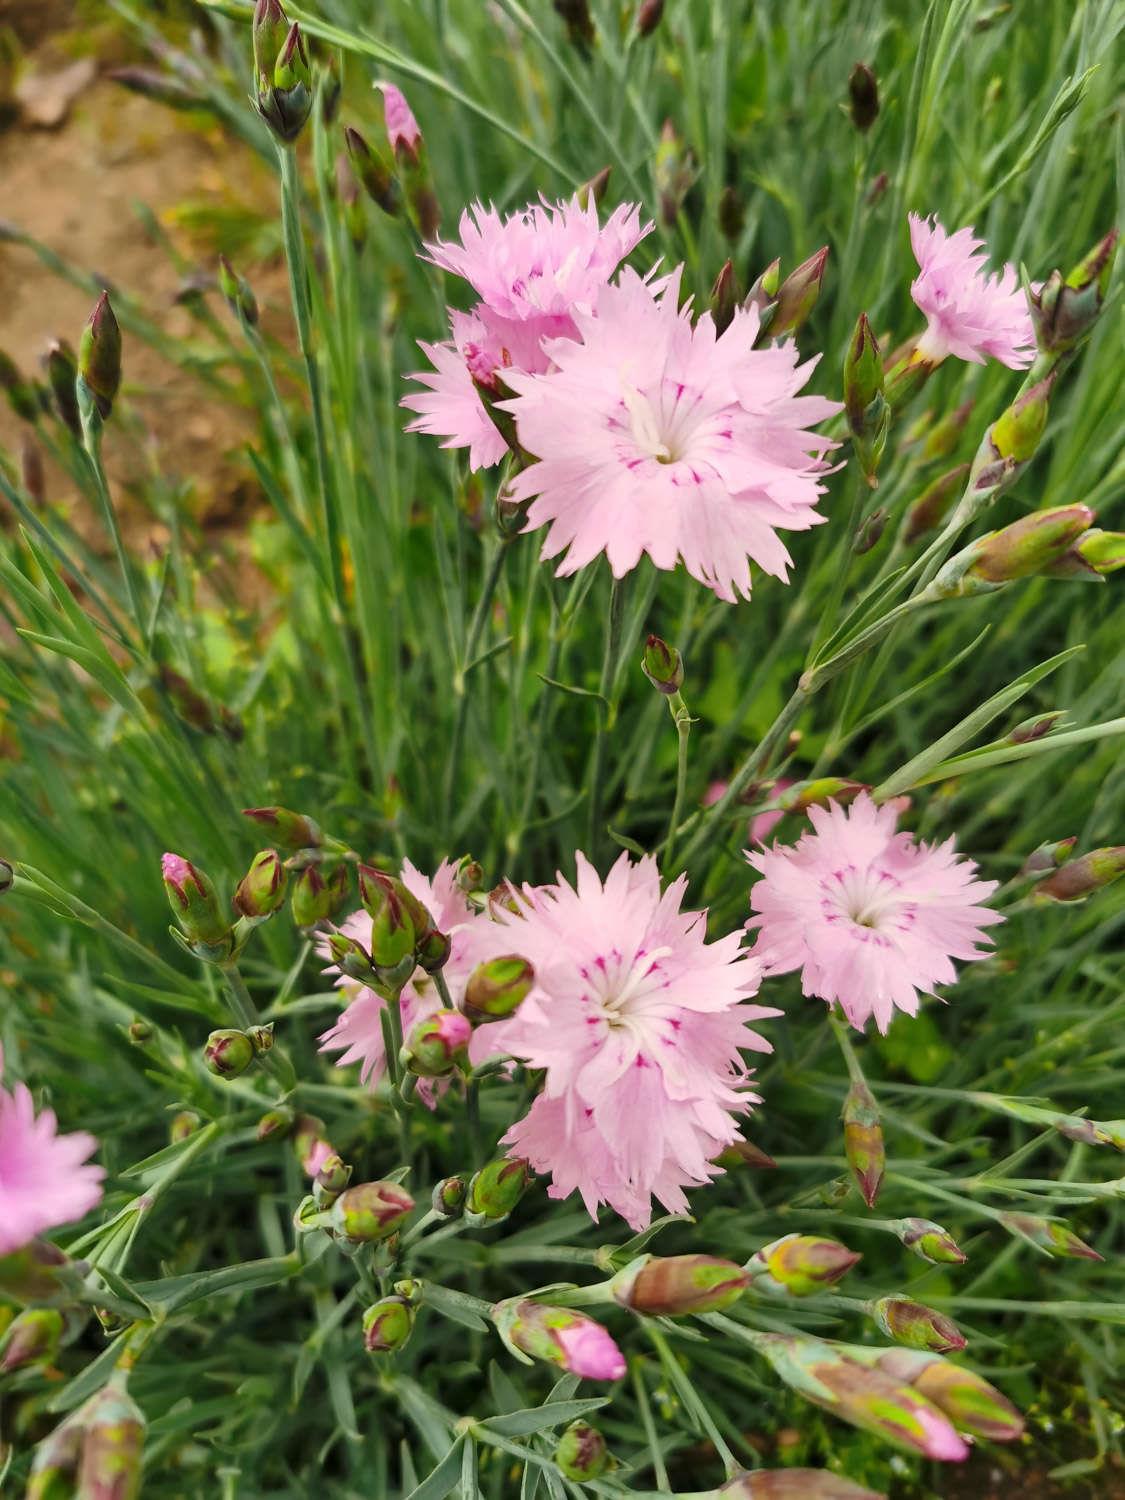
(560,1336)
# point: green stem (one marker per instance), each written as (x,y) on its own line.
(92,443)
(682,720)
(246,1016)
(606,712)
(472,644)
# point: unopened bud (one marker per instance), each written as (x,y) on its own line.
(581,1453)
(793,1484)
(33,476)
(195,903)
(649,17)
(1016,432)
(1094,555)
(797,295)
(673,1286)
(113,1439)
(594,190)
(763,294)
(1083,876)
(351,205)
(931,1242)
(967,1399)
(863,97)
(392,932)
(438,1044)
(21,393)
(270,28)
(1049,856)
(371,1212)
(41,1273)
(315,899)
(732,214)
(31,1339)
(916,1326)
(140,1032)
(373,170)
(801,1264)
(724,297)
(863,1141)
(673,171)
(310,1144)
(183,1125)
(1051,1235)
(228,1053)
(942,437)
(497,988)
(54,1468)
(663,666)
(432,950)
(61,365)
(261,890)
(448,1197)
(1036,727)
(243,304)
(387,1324)
(934,503)
(575,15)
(99,356)
(863,376)
(1021,550)
(332,1177)
(1064,311)
(284,90)
(870,532)
(744,1154)
(288,829)
(496,1189)
(564,1338)
(819,793)
(276,1124)
(350,957)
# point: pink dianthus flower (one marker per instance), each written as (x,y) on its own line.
(45,1179)
(403,129)
(871,917)
(657,435)
(640,1024)
(531,271)
(969,313)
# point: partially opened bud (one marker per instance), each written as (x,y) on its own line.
(99,355)
(448,1197)
(863,1141)
(581,1453)
(438,1044)
(387,1324)
(931,1242)
(289,829)
(31,1339)
(194,902)
(916,1326)
(673,1286)
(285,93)
(405,138)
(793,1484)
(370,1212)
(1083,876)
(496,1189)
(1051,1235)
(228,1053)
(239,295)
(934,503)
(113,1440)
(564,1338)
(61,364)
(663,666)
(373,170)
(801,1264)
(863,97)
(967,1399)
(497,988)
(797,295)
(261,890)
(724,297)
(392,932)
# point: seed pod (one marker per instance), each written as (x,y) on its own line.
(673,1286)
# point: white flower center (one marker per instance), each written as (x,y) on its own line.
(869,897)
(618,983)
(662,423)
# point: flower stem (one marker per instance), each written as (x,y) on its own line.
(472,645)
(682,720)
(606,711)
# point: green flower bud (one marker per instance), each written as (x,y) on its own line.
(162,88)
(243,304)
(649,17)
(744,1154)
(581,1453)
(934,503)
(448,1197)
(724,300)
(353,213)
(663,666)
(99,356)
(195,904)
(863,97)
(370,1212)
(31,1339)
(1051,1235)
(1082,877)
(351,957)
(967,1399)
(594,190)
(1064,311)
(39,1272)
(801,1264)
(918,1327)
(261,891)
(315,899)
(438,1044)
(496,1189)
(1094,555)
(870,531)
(1035,728)
(863,1141)
(20,392)
(863,378)
(1030,545)
(942,438)
(1016,432)
(432,950)
(673,1286)
(270,28)
(387,1324)
(7,876)
(470,876)
(183,1125)
(497,988)
(276,1124)
(1049,856)
(797,295)
(793,1484)
(805,794)
(931,1242)
(289,829)
(731,215)
(374,171)
(54,1469)
(140,1032)
(112,1443)
(285,89)
(61,364)
(392,931)
(228,1053)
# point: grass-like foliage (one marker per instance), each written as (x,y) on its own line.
(386,653)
